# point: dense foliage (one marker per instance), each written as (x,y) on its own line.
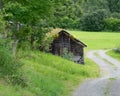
(111,10)
(26,22)
(83,14)
(67,14)
(10,67)
(93,21)
(117,49)
(112,24)
(23,24)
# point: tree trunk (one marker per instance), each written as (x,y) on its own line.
(0,4)
(32,39)
(82,57)
(14,47)
(32,43)
(15,43)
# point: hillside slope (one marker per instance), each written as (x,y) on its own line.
(48,75)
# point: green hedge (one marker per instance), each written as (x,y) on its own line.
(112,24)
(93,21)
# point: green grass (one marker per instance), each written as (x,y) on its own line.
(98,40)
(16,90)
(54,76)
(49,75)
(114,54)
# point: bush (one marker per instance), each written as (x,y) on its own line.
(93,21)
(67,55)
(117,49)
(46,42)
(112,24)
(115,15)
(2,24)
(10,67)
(45,45)
(24,45)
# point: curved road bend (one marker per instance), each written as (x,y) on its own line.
(109,82)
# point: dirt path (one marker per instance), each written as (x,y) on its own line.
(109,82)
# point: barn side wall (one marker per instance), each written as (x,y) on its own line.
(64,41)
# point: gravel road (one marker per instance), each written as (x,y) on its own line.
(108,84)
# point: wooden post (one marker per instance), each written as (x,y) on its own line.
(82,57)
(14,45)
(69,50)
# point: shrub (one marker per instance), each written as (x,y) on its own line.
(117,49)
(93,21)
(46,42)
(24,45)
(10,67)
(112,24)
(115,15)
(45,45)
(67,55)
(2,24)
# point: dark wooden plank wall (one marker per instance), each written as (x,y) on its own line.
(64,41)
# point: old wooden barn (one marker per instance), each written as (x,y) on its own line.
(64,40)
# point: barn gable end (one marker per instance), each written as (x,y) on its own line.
(64,40)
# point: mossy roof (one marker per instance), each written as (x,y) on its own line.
(59,30)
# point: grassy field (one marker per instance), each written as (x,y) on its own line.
(114,54)
(49,75)
(98,40)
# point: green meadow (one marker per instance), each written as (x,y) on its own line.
(48,75)
(25,70)
(98,40)
(54,76)
(114,54)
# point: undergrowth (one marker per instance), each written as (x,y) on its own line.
(10,67)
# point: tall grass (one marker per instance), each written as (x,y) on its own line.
(49,75)
(9,90)
(10,67)
(114,54)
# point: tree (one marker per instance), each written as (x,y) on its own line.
(13,14)
(26,16)
(112,24)
(89,6)
(2,23)
(114,5)
(93,21)
(67,14)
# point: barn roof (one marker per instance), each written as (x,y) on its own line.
(57,31)
(73,38)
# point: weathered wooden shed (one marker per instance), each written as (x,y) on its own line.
(64,40)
